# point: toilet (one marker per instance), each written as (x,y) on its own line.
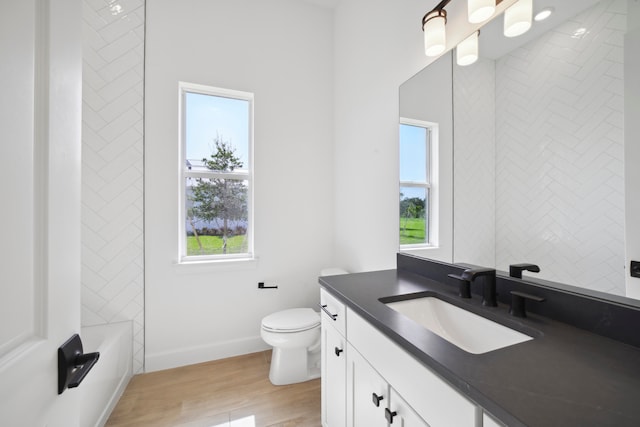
(294,335)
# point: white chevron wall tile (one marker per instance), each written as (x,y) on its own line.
(91,60)
(112,150)
(97,282)
(111,249)
(112,193)
(120,65)
(90,119)
(114,30)
(120,85)
(119,124)
(120,224)
(92,204)
(120,183)
(89,317)
(119,46)
(90,76)
(92,38)
(91,97)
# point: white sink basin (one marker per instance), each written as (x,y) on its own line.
(466,330)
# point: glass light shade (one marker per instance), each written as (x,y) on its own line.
(467,50)
(480,10)
(434,35)
(517,18)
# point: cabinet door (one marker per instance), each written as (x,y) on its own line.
(401,414)
(367,393)
(334,384)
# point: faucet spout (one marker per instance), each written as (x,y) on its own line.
(488,278)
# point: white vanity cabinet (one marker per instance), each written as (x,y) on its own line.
(371,401)
(333,361)
(372,363)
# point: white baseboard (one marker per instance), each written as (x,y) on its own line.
(203,353)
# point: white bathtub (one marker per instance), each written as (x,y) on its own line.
(103,386)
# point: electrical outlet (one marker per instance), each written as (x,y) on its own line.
(635,269)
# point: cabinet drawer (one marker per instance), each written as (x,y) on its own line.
(333,310)
(433,399)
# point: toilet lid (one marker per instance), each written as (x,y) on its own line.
(295,319)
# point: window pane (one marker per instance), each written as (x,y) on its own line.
(413,153)
(414,211)
(216,216)
(211,120)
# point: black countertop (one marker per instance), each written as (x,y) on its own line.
(564,377)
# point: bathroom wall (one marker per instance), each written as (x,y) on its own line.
(112,166)
(560,145)
(282,51)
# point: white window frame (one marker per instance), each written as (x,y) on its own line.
(184,173)
(431,184)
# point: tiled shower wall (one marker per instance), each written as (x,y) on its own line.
(559,145)
(112,166)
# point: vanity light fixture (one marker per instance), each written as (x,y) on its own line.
(480,10)
(517,21)
(517,18)
(543,14)
(467,50)
(433,25)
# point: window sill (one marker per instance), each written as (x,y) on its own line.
(234,264)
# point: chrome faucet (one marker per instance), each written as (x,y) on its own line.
(488,276)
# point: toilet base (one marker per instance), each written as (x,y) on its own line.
(293,365)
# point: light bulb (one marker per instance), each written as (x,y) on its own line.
(517,18)
(480,10)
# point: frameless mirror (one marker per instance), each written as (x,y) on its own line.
(539,143)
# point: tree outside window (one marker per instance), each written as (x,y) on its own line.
(217,206)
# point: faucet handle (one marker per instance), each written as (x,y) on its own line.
(515,270)
(518,300)
(464,286)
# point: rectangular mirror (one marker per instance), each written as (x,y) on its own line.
(539,145)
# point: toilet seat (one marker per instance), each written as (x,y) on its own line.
(292,320)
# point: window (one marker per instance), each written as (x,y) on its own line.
(417,144)
(216,208)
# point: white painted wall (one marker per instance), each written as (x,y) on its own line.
(632,147)
(282,51)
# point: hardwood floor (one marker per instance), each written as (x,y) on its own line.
(233,392)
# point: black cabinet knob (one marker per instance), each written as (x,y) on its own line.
(338,351)
(388,414)
(376,399)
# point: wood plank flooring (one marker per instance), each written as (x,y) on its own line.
(233,392)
